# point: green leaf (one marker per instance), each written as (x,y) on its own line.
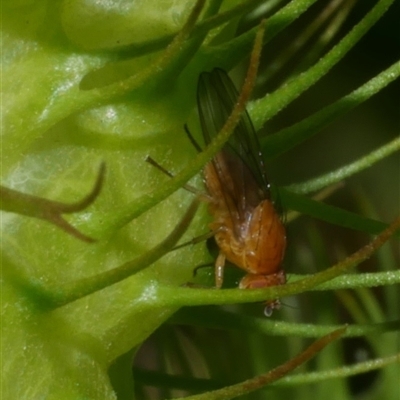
(114,82)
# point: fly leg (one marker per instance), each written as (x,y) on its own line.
(219,267)
(195,240)
(219,270)
(203,196)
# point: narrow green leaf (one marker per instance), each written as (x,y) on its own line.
(328,213)
(284,140)
(264,109)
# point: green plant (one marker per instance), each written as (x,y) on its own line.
(86,83)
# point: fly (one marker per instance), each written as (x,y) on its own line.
(247,228)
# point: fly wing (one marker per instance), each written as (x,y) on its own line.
(243,165)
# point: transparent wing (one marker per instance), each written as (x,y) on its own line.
(241,156)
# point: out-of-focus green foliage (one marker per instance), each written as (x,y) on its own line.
(91,82)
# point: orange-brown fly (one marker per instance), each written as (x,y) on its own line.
(246,226)
(247,229)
